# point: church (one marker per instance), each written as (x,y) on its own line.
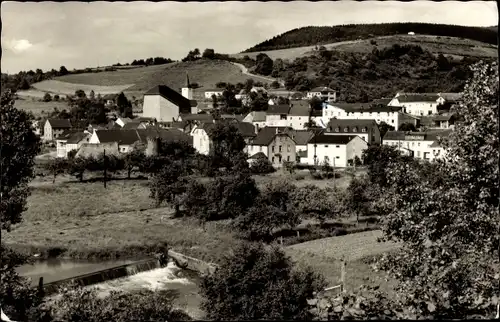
(165,104)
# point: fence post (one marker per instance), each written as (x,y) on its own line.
(342,273)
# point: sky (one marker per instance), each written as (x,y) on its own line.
(48,35)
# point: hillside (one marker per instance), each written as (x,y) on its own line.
(312,36)
(134,82)
(457,47)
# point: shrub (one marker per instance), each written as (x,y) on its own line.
(255,283)
(262,166)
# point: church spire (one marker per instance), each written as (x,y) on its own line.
(187,81)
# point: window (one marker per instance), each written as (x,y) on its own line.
(392,121)
(260,148)
(299,118)
(288,158)
(430,112)
(364,129)
(337,157)
(279,159)
(346,129)
(337,146)
(288,148)
(279,148)
(272,149)
(326,145)
(272,160)
(413,144)
(368,114)
(418,144)
(337,129)
(283,116)
(418,153)
(355,129)
(291,124)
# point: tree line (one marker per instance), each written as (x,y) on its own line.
(311,36)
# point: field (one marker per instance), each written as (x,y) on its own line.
(136,81)
(36,107)
(324,256)
(447,45)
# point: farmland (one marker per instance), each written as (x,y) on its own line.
(36,106)
(456,47)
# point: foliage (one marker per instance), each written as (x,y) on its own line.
(209,53)
(227,144)
(356,201)
(378,158)
(254,283)
(19,148)
(384,128)
(57,166)
(407,127)
(145,305)
(262,166)
(151,61)
(313,202)
(310,36)
(47,97)
(168,184)
(134,159)
(264,65)
(124,106)
(444,270)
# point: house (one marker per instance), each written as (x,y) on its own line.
(417,104)
(379,113)
(443,121)
(201,135)
(255,157)
(135,125)
(276,115)
(236,117)
(55,127)
(165,104)
(325,93)
(366,129)
(335,150)
(421,145)
(298,115)
(257,118)
(210,92)
(88,149)
(110,99)
(196,118)
(258,89)
(452,98)
(70,140)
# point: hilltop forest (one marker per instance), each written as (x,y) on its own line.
(311,36)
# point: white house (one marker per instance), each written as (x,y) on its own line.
(298,115)
(422,145)
(389,114)
(325,93)
(121,121)
(53,128)
(277,115)
(366,129)
(210,92)
(165,104)
(201,138)
(69,141)
(336,150)
(257,118)
(417,104)
(124,138)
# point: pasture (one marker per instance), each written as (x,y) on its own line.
(447,45)
(62,87)
(37,107)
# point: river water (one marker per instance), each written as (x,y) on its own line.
(171,277)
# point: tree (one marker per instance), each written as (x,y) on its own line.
(124,106)
(227,144)
(47,97)
(215,104)
(63,71)
(256,283)
(407,127)
(92,95)
(384,128)
(264,65)
(275,85)
(378,158)
(356,201)
(262,166)
(443,269)
(316,103)
(19,148)
(169,184)
(311,201)
(209,53)
(133,159)
(57,166)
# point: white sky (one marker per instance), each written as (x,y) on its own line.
(47,35)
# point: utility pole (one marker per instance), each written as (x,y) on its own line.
(334,170)
(342,273)
(105,166)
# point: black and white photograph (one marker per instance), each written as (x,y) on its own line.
(244,161)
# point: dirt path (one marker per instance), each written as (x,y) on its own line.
(245,71)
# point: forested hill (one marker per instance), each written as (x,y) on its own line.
(310,36)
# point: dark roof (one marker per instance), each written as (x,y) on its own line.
(258,155)
(266,135)
(258,116)
(171,95)
(197,117)
(66,134)
(301,137)
(193,103)
(317,113)
(382,101)
(331,139)
(246,129)
(126,137)
(351,107)
(403,98)
(353,125)
(278,109)
(299,108)
(143,119)
(322,89)
(237,117)
(382,108)
(427,136)
(132,125)
(167,135)
(59,123)
(77,137)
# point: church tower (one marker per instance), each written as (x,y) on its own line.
(187,91)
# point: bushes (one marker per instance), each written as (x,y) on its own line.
(262,166)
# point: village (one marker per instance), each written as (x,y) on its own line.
(338,133)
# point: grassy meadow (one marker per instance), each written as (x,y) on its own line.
(36,107)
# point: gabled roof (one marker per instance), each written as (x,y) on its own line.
(278,109)
(266,135)
(351,107)
(237,117)
(404,98)
(353,125)
(214,90)
(66,134)
(321,89)
(167,135)
(193,103)
(299,108)
(59,123)
(258,155)
(301,137)
(133,125)
(381,101)
(123,137)
(451,96)
(258,116)
(197,117)
(246,129)
(169,94)
(331,139)
(88,149)
(77,137)
(431,135)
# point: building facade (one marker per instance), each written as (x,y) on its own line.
(336,150)
(421,145)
